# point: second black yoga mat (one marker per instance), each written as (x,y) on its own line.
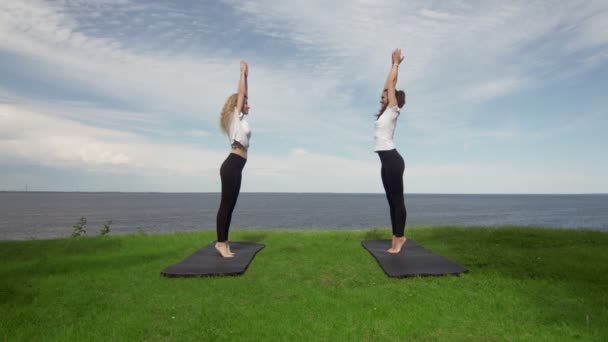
(413,260)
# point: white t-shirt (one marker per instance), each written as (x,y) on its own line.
(239,129)
(384,129)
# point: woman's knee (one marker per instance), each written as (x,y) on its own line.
(397,198)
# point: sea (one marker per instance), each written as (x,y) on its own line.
(47,215)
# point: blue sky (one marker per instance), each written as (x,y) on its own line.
(123,95)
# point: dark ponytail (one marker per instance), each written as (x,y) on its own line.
(400,94)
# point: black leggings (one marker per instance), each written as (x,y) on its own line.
(230,173)
(392,179)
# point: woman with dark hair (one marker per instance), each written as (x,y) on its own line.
(392,101)
(234,125)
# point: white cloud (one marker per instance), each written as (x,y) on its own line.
(198,133)
(591,32)
(436,15)
(491,89)
(33,136)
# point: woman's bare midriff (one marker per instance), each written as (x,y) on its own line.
(239,150)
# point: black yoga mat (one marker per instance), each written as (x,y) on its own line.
(413,260)
(207,261)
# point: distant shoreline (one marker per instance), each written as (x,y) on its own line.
(310,193)
(51,214)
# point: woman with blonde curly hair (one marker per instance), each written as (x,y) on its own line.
(234,125)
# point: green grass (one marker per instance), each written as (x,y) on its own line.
(524,284)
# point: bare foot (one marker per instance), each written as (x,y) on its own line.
(222,248)
(397,244)
(392,249)
(228,248)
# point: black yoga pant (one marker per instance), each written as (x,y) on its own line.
(230,173)
(392,179)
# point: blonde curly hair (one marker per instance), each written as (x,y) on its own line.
(227,111)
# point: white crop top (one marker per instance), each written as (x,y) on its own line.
(239,129)
(384,129)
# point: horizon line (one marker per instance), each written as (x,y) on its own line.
(307,192)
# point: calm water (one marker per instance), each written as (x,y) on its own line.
(29,215)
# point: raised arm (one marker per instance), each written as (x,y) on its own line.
(391,79)
(242,90)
